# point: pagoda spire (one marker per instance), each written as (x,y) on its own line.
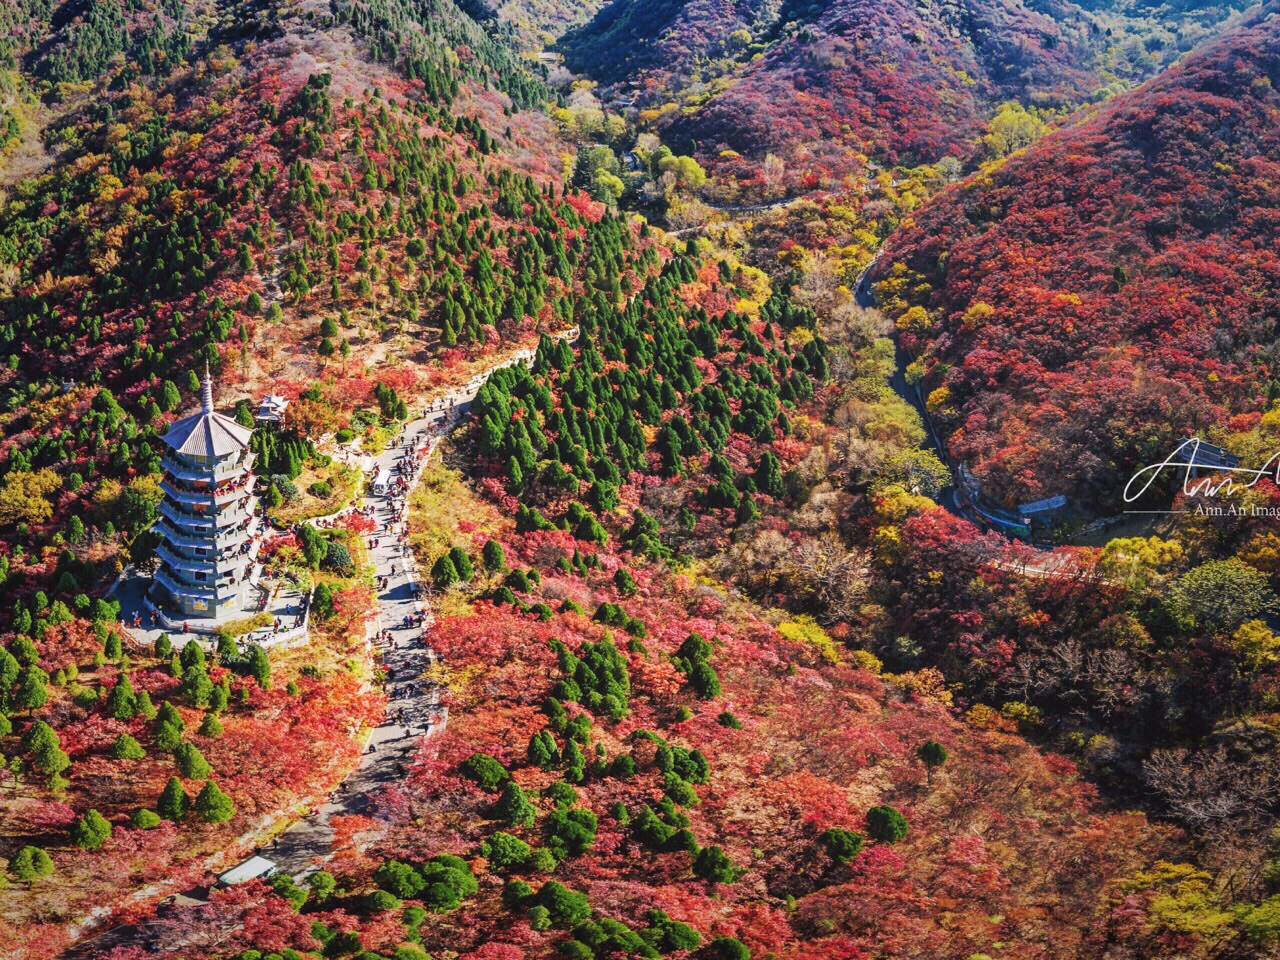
(206,395)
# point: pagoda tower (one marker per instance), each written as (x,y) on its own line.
(209,534)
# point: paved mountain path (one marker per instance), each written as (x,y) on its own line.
(405,655)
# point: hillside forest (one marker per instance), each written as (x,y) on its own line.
(739,329)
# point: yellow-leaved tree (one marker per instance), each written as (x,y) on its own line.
(24,497)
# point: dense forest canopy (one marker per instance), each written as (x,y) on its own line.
(833,84)
(685,354)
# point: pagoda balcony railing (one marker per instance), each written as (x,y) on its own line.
(218,497)
(236,481)
(212,472)
(225,537)
(223,587)
(180,589)
(224,564)
(203,523)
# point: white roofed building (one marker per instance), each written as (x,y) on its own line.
(255,868)
(271,410)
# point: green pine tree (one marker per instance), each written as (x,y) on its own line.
(91,831)
(196,685)
(144,819)
(174,803)
(461,563)
(443,572)
(513,806)
(30,863)
(142,706)
(121,701)
(210,727)
(543,751)
(214,806)
(768,476)
(125,747)
(260,666)
(933,755)
(170,396)
(33,691)
(494,556)
(191,762)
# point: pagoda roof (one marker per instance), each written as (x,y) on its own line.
(207,433)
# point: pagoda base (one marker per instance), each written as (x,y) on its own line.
(159,603)
(145,620)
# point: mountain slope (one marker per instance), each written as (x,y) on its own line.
(359,205)
(296,205)
(532,25)
(897,81)
(1133,251)
(661,41)
(826,87)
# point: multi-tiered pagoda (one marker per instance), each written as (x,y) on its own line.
(208,528)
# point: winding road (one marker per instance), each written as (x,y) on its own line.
(949,498)
(863,297)
(736,208)
(755,207)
